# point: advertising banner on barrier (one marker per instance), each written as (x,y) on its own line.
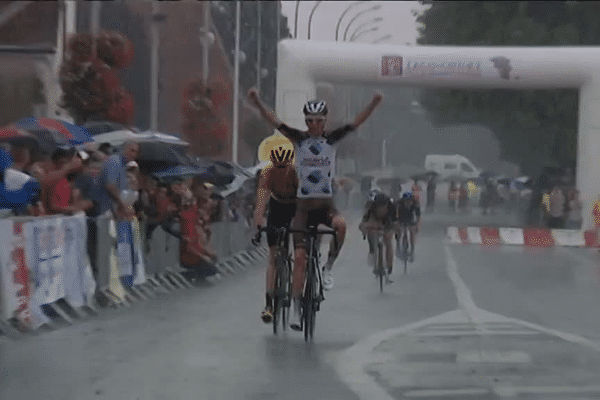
(16,286)
(115,285)
(138,251)
(45,258)
(78,280)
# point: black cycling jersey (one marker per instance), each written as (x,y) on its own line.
(387,219)
(407,213)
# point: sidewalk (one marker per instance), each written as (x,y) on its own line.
(452,357)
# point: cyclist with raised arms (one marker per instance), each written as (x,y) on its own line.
(380,214)
(408,219)
(315,166)
(277,187)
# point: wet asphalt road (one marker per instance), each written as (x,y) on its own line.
(209,343)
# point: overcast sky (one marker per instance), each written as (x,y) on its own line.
(397,20)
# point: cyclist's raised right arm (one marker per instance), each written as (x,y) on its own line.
(292,134)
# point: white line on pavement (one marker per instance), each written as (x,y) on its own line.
(350,364)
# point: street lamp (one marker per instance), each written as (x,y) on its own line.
(374,8)
(157,17)
(337,27)
(353,37)
(258,44)
(310,17)
(236,83)
(374,20)
(296,20)
(382,39)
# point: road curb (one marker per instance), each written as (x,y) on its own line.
(531,237)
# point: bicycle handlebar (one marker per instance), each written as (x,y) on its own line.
(257,237)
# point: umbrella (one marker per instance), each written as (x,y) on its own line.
(183,172)
(116,138)
(62,131)
(158,156)
(22,138)
(222,174)
(157,137)
(101,127)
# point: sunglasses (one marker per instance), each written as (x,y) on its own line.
(314,120)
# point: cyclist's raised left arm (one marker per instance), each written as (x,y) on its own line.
(341,132)
(366,113)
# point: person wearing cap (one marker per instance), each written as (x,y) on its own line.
(113,181)
(15,199)
(86,193)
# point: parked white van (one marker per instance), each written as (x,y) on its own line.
(451,166)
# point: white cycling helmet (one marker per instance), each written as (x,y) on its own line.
(373,193)
(315,107)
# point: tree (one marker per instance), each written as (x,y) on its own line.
(532,126)
(204,124)
(89,78)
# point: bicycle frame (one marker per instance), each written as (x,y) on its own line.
(313,288)
(379,255)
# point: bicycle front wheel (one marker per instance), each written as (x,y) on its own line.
(309,300)
(405,251)
(380,271)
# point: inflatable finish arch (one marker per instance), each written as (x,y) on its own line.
(301,64)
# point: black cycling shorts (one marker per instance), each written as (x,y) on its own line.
(280,216)
(312,212)
(409,223)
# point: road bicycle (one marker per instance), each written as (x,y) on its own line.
(402,252)
(283,274)
(313,287)
(380,270)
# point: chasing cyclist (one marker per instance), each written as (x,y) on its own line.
(315,166)
(380,214)
(277,187)
(408,219)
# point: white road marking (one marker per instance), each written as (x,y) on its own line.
(350,363)
(445,392)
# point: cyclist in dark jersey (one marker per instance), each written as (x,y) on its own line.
(380,214)
(277,188)
(315,166)
(408,219)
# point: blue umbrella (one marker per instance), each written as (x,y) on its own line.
(182,171)
(61,131)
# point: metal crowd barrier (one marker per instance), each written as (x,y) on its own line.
(47,279)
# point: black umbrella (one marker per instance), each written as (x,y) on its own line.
(100,127)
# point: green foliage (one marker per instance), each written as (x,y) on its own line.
(532,126)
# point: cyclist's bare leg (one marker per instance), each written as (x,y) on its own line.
(299,271)
(413,232)
(335,246)
(267,315)
(389,250)
(271,271)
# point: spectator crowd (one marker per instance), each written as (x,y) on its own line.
(99,181)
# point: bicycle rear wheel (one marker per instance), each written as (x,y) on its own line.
(287,294)
(405,251)
(279,294)
(309,300)
(379,259)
